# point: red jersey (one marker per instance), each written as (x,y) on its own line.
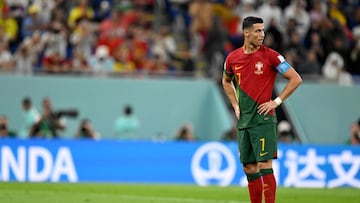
(255,75)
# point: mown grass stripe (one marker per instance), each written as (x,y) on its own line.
(175,199)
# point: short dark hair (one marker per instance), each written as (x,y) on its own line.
(27,101)
(128,110)
(249,21)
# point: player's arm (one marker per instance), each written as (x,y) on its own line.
(230,92)
(294,80)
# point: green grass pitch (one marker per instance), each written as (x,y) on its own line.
(160,193)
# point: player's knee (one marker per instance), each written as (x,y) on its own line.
(251,168)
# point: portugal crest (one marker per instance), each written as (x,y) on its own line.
(259,66)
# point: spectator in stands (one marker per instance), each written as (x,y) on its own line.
(178,17)
(164,44)
(185,61)
(355,21)
(3,36)
(25,60)
(318,10)
(246,8)
(30,117)
(295,49)
(269,41)
(313,42)
(82,10)
(6,58)
(354,67)
(101,63)
(230,20)
(4,128)
(335,66)
(355,133)
(274,36)
(117,30)
(285,134)
(157,65)
(317,13)
(46,7)
(102,9)
(128,14)
(201,13)
(331,34)
(122,61)
(18,7)
(310,65)
(54,63)
(36,45)
(215,46)
(289,28)
(127,125)
(32,22)
(335,13)
(296,10)
(271,11)
(64,6)
(313,38)
(139,45)
(10,25)
(111,26)
(83,37)
(230,135)
(86,131)
(185,133)
(112,41)
(56,35)
(78,63)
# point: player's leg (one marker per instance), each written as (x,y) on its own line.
(269,181)
(264,141)
(251,168)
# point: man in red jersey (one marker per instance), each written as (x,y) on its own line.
(254,67)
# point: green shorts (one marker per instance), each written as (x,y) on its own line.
(257,144)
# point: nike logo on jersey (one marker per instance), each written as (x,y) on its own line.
(238,67)
(263,153)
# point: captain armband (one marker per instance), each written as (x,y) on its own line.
(283,67)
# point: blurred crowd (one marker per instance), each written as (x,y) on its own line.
(320,38)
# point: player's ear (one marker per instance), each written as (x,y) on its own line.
(246,33)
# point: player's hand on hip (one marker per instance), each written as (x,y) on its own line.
(266,107)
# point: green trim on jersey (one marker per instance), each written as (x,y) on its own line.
(229,75)
(248,112)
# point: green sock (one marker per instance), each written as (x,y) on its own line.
(253,176)
(266,171)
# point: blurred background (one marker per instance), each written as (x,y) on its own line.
(163,59)
(150,70)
